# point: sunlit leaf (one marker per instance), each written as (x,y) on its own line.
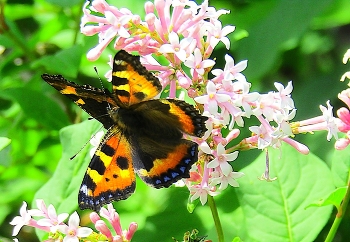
(65,62)
(341,167)
(4,142)
(335,198)
(62,188)
(276,210)
(37,106)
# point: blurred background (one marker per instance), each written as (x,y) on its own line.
(302,41)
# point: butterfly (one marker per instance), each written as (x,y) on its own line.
(144,135)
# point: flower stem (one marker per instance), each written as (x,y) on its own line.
(340,214)
(216,218)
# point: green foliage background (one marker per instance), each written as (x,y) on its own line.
(284,40)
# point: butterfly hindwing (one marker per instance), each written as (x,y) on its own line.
(163,170)
(190,120)
(131,81)
(93,100)
(110,175)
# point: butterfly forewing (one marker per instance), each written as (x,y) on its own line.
(132,83)
(93,100)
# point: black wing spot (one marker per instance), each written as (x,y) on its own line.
(122,162)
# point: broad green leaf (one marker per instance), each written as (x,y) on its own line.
(337,14)
(62,189)
(335,198)
(37,106)
(4,142)
(65,62)
(341,167)
(4,212)
(18,11)
(281,27)
(275,211)
(16,184)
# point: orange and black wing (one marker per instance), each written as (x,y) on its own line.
(161,155)
(162,169)
(131,81)
(94,101)
(110,175)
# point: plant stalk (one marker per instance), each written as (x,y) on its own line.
(216,218)
(340,214)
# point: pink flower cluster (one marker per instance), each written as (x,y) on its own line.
(344,113)
(58,230)
(112,217)
(344,120)
(182,35)
(327,121)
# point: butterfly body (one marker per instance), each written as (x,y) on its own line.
(143,135)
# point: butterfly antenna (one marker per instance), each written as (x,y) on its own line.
(90,118)
(101,83)
(86,143)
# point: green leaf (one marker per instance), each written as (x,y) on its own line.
(191,206)
(37,106)
(65,62)
(275,211)
(64,3)
(278,26)
(337,14)
(62,189)
(335,198)
(4,142)
(341,167)
(237,239)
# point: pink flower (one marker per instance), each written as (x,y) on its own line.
(343,123)
(20,221)
(217,33)
(131,231)
(197,64)
(25,218)
(53,220)
(73,232)
(346,56)
(342,143)
(202,193)
(345,97)
(181,49)
(113,218)
(101,226)
(231,71)
(114,23)
(344,116)
(331,122)
(221,160)
(212,98)
(224,181)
